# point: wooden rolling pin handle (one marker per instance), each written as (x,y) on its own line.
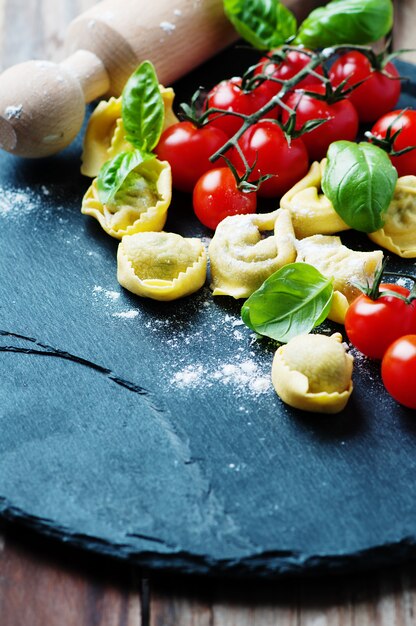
(89,70)
(42,104)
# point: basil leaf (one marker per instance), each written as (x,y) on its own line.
(265,24)
(291,302)
(359,180)
(346,21)
(114,172)
(142,108)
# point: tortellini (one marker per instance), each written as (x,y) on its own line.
(241,258)
(310,210)
(399,231)
(313,373)
(105,136)
(140,204)
(161,266)
(345,266)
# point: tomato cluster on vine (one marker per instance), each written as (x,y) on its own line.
(269,124)
(381,323)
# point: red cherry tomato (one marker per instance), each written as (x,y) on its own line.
(372,325)
(228,96)
(266,144)
(406,163)
(342,120)
(187,149)
(294,62)
(374,97)
(398,370)
(216,196)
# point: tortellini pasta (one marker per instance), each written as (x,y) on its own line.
(105,136)
(313,373)
(241,258)
(140,204)
(161,266)
(345,266)
(311,211)
(399,231)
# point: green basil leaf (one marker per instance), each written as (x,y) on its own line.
(142,108)
(291,302)
(114,172)
(359,180)
(265,24)
(346,21)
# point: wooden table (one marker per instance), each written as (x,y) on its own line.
(44,583)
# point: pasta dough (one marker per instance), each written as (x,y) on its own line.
(313,373)
(140,204)
(162,266)
(241,259)
(399,231)
(105,136)
(345,266)
(310,210)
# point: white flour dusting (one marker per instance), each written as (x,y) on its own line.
(243,375)
(167,27)
(14,111)
(206,241)
(111,295)
(184,362)
(128,315)
(15,202)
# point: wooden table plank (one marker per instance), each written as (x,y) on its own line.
(404,34)
(383,598)
(43,583)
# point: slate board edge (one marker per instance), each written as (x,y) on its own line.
(265,565)
(271,564)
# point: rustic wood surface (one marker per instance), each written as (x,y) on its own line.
(43,583)
(404,35)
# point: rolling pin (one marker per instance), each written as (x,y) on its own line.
(42,104)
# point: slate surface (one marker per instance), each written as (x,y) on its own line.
(151,431)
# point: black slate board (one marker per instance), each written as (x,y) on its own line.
(107,442)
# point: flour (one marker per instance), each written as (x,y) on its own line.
(110,295)
(185,363)
(167,27)
(242,375)
(205,241)
(128,315)
(14,111)
(15,202)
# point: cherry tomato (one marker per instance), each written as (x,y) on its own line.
(377,95)
(216,196)
(187,149)
(228,96)
(294,62)
(265,144)
(342,120)
(406,163)
(373,325)
(398,370)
